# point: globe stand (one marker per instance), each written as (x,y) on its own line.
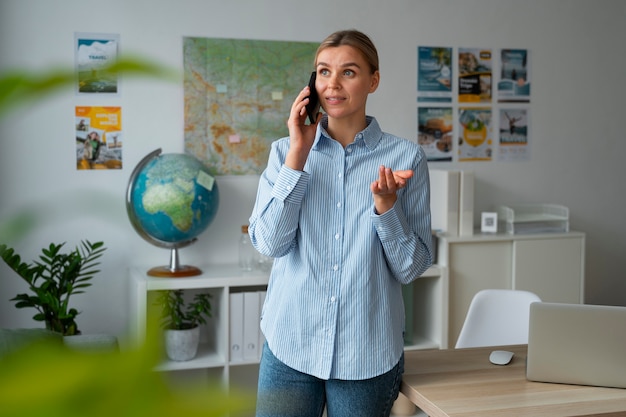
(174,270)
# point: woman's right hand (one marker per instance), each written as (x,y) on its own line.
(301,135)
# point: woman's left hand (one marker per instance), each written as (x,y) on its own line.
(385,187)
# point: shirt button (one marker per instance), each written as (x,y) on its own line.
(335,267)
(332,299)
(349,150)
(288,188)
(339,205)
(337,236)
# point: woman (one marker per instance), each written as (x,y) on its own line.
(344,209)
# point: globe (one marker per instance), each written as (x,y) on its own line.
(171,199)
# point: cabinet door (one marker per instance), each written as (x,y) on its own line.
(551,268)
(474,266)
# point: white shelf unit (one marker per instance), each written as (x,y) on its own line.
(429,319)
(219,280)
(552,265)
(429,323)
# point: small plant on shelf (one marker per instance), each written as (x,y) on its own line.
(181,321)
(53,280)
(176,314)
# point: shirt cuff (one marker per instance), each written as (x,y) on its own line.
(290,185)
(388,225)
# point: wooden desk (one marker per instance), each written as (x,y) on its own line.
(463,383)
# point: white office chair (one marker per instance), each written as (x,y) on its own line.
(497,317)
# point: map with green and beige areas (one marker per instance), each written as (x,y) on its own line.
(238,94)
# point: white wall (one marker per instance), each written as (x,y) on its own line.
(577,114)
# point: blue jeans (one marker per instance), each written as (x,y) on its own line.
(285,392)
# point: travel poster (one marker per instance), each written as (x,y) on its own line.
(98,137)
(475,134)
(94,53)
(435,132)
(514,144)
(514,84)
(434,74)
(475,84)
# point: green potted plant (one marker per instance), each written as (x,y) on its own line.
(53,280)
(181,322)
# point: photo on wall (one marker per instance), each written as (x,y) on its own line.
(514,144)
(514,83)
(435,133)
(98,137)
(475,134)
(434,74)
(475,82)
(94,53)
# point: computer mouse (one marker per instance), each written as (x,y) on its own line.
(500,357)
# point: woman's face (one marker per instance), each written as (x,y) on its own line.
(344,81)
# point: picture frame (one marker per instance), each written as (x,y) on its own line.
(489,222)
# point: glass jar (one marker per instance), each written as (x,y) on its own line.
(247,253)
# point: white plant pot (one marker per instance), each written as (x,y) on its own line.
(92,342)
(182,345)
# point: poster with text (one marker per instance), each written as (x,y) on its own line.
(514,144)
(98,137)
(435,132)
(94,53)
(475,84)
(475,134)
(434,74)
(514,84)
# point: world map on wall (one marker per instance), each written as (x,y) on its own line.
(238,94)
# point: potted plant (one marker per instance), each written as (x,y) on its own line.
(181,322)
(53,280)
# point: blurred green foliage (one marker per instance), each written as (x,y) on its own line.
(49,380)
(21,87)
(18,87)
(52,380)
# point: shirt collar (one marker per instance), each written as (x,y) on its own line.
(371,135)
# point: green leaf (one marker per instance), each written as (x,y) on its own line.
(20,87)
(53,279)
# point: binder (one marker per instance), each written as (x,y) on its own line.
(236,327)
(444,201)
(251,326)
(466,204)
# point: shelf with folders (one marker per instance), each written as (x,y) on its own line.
(219,281)
(215,358)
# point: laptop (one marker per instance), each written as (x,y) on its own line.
(578,344)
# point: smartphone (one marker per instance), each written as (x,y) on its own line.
(313,107)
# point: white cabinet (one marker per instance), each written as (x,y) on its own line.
(428,322)
(550,265)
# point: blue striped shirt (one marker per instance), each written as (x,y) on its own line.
(334,303)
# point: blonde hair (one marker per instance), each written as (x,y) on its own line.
(355,39)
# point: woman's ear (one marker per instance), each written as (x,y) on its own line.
(375,81)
